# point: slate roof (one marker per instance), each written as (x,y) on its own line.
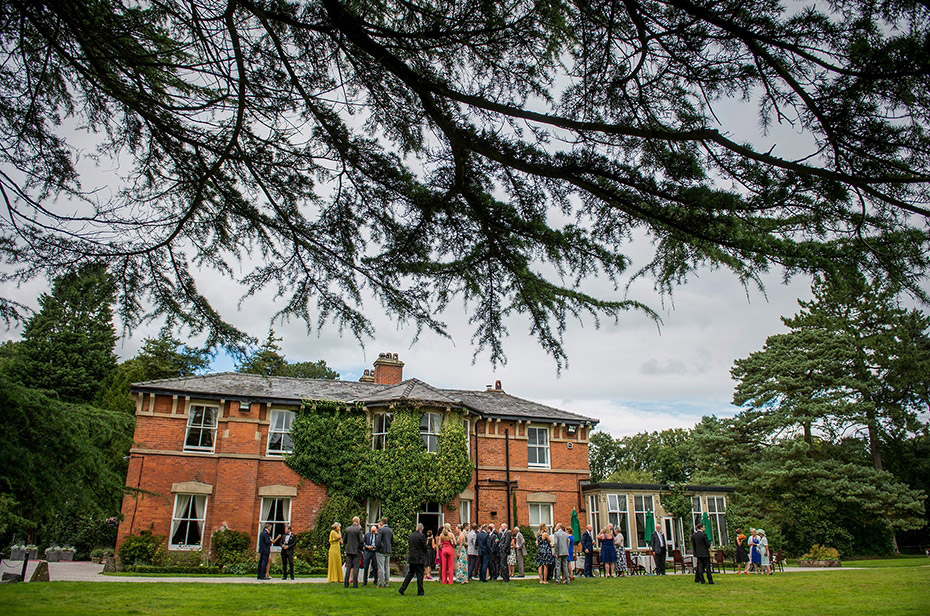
(287,390)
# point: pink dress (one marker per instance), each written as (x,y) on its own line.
(447,561)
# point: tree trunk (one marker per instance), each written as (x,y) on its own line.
(808,437)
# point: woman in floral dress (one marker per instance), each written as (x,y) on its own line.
(621,552)
(461,556)
(544,556)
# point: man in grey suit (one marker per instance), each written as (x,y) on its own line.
(383,550)
(354,543)
(519,547)
(561,555)
(504,551)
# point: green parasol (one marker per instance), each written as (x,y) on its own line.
(576,526)
(705,520)
(650,527)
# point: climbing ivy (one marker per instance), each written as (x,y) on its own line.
(332,447)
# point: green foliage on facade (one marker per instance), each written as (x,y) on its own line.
(332,447)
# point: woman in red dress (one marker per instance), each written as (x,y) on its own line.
(447,554)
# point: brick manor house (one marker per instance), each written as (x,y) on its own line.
(208,452)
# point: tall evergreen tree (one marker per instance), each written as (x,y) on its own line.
(853,358)
(68,345)
(267,360)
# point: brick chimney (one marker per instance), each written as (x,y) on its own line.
(368,377)
(388,369)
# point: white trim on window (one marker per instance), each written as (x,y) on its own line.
(430,425)
(276,511)
(537,446)
(466,424)
(540,513)
(464,511)
(279,432)
(641,504)
(594,514)
(187,521)
(618,514)
(201,427)
(380,424)
(373,513)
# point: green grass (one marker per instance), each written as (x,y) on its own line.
(897,561)
(891,591)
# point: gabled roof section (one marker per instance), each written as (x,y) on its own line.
(505,406)
(234,385)
(287,390)
(412,390)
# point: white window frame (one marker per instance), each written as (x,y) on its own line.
(265,518)
(641,528)
(177,520)
(594,514)
(202,426)
(718,519)
(537,430)
(286,433)
(618,513)
(379,439)
(372,513)
(538,511)
(464,511)
(697,511)
(426,433)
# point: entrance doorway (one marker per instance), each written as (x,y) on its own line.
(674,534)
(430,517)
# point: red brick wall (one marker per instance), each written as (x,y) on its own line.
(239,467)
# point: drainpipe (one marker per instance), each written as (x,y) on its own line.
(507,466)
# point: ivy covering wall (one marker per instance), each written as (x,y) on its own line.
(332,447)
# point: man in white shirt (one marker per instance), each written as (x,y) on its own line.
(659,548)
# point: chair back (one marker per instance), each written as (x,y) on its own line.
(718,557)
(676,556)
(779,557)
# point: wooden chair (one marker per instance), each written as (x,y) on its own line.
(681,561)
(718,562)
(779,561)
(632,566)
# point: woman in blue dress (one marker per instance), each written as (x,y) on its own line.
(608,553)
(755,554)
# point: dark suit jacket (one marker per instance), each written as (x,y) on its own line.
(371,541)
(289,541)
(385,539)
(417,555)
(484,543)
(494,540)
(504,545)
(701,544)
(353,539)
(264,542)
(657,545)
(587,542)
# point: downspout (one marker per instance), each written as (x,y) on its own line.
(476,470)
(507,466)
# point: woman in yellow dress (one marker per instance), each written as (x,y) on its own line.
(334,574)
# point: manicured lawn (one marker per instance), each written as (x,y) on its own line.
(892,591)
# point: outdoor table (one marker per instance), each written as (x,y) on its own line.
(645,560)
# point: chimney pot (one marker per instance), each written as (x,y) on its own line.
(389,370)
(497,385)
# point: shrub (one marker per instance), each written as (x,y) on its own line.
(819,552)
(530,537)
(228,545)
(140,549)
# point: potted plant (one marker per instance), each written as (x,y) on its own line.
(32,551)
(67,553)
(17,551)
(820,556)
(52,553)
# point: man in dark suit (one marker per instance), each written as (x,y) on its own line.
(503,549)
(702,554)
(353,542)
(494,539)
(484,553)
(288,543)
(370,562)
(416,560)
(659,549)
(587,546)
(264,551)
